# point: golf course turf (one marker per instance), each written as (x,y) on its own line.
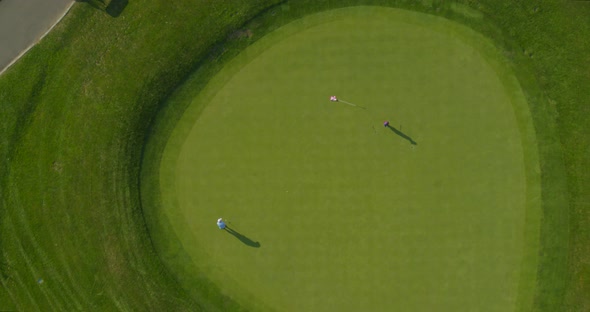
(124,137)
(349,215)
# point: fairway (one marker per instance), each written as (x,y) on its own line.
(334,211)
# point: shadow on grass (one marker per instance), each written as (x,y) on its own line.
(401,134)
(114,8)
(242,238)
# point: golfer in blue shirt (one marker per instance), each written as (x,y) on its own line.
(220,224)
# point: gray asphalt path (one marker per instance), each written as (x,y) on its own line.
(24,22)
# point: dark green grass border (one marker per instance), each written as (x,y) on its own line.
(73,119)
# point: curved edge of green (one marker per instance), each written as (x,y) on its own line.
(191,96)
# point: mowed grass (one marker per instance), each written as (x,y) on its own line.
(74,111)
(335,212)
(74,115)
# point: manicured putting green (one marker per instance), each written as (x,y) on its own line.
(350,215)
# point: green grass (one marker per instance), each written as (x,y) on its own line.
(74,113)
(350,215)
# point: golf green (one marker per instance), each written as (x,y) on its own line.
(335,212)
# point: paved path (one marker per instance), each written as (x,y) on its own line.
(24,22)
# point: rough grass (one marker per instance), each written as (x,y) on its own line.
(74,112)
(551,35)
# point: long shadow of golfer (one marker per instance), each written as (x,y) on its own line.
(401,134)
(242,238)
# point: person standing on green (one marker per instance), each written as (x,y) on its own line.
(221,224)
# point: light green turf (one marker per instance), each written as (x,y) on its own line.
(349,215)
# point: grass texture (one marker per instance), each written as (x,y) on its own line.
(76,110)
(344,214)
